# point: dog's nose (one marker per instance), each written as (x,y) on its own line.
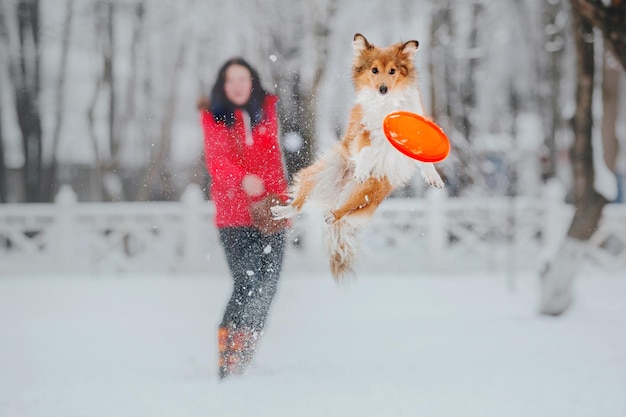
(383,89)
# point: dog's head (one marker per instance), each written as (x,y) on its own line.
(383,69)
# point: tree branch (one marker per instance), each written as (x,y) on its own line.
(611,20)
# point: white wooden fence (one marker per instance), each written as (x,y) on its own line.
(435,234)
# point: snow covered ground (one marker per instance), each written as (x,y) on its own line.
(382,346)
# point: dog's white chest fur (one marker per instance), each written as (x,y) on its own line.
(381,159)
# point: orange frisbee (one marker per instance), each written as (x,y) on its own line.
(416,136)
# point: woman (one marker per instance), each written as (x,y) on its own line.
(244,161)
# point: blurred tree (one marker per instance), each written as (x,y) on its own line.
(157,175)
(610,102)
(130,98)
(610,18)
(20,29)
(135,97)
(558,275)
(3,170)
(300,47)
(105,11)
(59,110)
(3,167)
(456,53)
(549,78)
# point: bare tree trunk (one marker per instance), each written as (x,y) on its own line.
(558,275)
(122,117)
(109,73)
(25,78)
(440,38)
(50,188)
(109,80)
(610,19)
(104,16)
(549,82)
(128,114)
(298,97)
(297,115)
(91,121)
(588,202)
(157,174)
(468,87)
(446,90)
(610,90)
(3,169)
(3,176)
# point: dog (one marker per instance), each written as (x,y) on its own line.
(351,179)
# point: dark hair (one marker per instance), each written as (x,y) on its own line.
(223,109)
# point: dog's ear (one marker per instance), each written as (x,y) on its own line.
(409,48)
(360,44)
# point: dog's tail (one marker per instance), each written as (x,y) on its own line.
(342,243)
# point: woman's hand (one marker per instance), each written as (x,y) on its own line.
(252,185)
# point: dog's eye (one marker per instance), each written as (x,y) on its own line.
(375,70)
(392,71)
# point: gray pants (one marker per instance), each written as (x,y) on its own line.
(255,262)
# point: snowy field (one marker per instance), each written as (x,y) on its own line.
(382,346)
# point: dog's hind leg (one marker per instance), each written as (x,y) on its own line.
(319,184)
(363,200)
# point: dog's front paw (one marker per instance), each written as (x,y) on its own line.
(431,176)
(434,180)
(363,164)
(283,212)
(361,175)
(329,217)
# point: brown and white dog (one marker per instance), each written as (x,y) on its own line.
(353,177)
